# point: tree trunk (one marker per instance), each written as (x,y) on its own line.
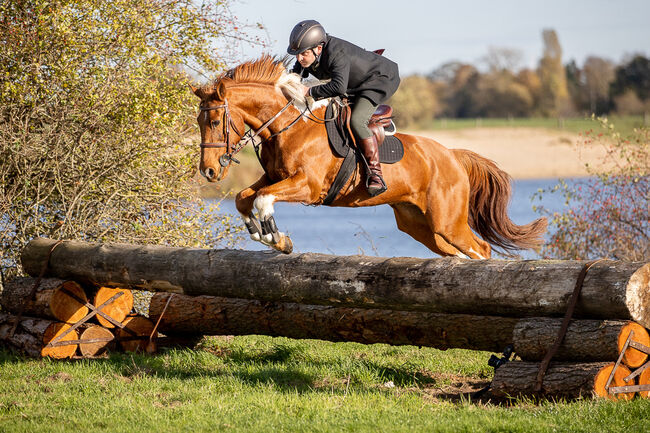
(562,380)
(32,335)
(611,290)
(208,315)
(50,300)
(585,340)
(118,309)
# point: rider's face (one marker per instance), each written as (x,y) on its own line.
(307,57)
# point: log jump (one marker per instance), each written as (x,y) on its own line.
(529,288)
(442,303)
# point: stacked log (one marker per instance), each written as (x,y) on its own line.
(443,303)
(34,324)
(210,315)
(52,299)
(32,335)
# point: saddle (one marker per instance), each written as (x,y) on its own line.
(341,139)
(380,124)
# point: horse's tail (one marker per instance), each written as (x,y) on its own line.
(488,205)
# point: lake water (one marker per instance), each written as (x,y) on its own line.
(373,231)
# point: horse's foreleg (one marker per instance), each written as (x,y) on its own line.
(244,203)
(292,189)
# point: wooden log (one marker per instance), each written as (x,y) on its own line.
(139,326)
(585,340)
(603,376)
(50,300)
(92,347)
(633,358)
(33,334)
(208,315)
(562,380)
(611,290)
(118,309)
(644,379)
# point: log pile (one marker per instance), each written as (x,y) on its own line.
(58,321)
(442,303)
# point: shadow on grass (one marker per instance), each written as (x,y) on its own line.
(285,367)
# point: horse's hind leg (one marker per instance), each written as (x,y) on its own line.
(412,221)
(450,222)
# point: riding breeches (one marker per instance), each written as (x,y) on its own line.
(362,110)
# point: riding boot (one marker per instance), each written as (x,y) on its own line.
(374,182)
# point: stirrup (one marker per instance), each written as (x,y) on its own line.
(375,191)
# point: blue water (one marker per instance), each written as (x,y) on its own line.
(372,230)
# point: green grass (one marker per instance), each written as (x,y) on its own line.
(263,384)
(624,124)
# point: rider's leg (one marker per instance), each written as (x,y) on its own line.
(362,110)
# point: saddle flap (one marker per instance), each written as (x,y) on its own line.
(382,115)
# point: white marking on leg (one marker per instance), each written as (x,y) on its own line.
(264,206)
(461,255)
(479,256)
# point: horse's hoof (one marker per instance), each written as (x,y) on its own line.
(284,245)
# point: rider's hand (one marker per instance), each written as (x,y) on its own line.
(305,90)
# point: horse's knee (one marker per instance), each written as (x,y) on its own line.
(244,201)
(264,205)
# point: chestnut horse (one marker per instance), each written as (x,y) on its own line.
(437,194)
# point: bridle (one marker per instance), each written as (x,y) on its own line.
(228,157)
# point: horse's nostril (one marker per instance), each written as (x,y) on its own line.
(209,172)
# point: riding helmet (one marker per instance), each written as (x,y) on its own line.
(305,35)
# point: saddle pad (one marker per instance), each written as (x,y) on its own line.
(390,152)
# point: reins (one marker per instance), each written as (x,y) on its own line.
(249,136)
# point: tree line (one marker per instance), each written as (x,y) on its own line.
(503,89)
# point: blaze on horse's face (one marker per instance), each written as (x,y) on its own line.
(213,125)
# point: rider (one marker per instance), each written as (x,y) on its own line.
(367,78)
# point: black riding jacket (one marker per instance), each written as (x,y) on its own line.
(353,71)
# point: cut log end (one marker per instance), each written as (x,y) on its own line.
(65,307)
(633,358)
(644,379)
(140,327)
(601,380)
(59,352)
(118,309)
(637,295)
(96,348)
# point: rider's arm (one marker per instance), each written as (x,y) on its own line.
(339,70)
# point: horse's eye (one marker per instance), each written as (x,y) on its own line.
(215,123)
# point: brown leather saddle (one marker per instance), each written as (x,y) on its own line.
(341,138)
(341,141)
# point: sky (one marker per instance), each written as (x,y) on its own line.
(421,35)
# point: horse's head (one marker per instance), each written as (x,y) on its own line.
(220,127)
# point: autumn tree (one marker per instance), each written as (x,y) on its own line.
(555,95)
(415,102)
(608,213)
(631,86)
(598,75)
(94,120)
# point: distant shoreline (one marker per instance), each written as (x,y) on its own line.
(524,153)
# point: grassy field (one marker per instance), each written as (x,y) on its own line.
(261,384)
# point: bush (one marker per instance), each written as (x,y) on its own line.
(94,115)
(608,213)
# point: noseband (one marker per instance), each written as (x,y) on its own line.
(228,157)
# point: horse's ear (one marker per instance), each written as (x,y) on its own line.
(198,91)
(221,91)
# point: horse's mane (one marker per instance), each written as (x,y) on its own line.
(267,69)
